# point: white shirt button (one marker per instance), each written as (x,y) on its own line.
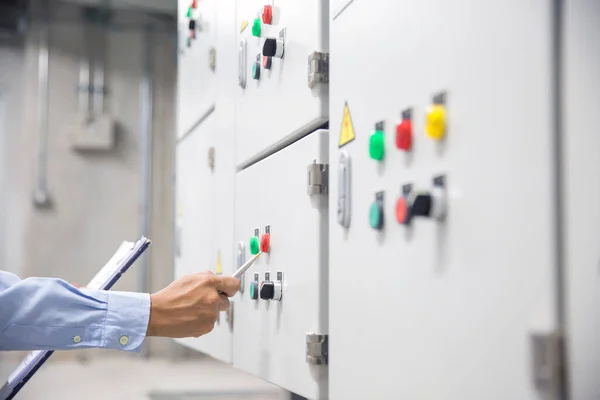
(123,340)
(77,339)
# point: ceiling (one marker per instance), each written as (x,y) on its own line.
(160,6)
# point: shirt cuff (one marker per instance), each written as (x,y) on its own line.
(127,320)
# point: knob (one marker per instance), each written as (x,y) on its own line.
(404,135)
(429,204)
(267,290)
(256,27)
(254,290)
(267,62)
(265,243)
(256,71)
(376,212)
(377,145)
(267,15)
(254,248)
(435,122)
(402,215)
(273,47)
(376,216)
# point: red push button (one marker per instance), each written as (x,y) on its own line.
(265,243)
(401,210)
(267,15)
(404,135)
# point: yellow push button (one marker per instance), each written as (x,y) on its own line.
(435,123)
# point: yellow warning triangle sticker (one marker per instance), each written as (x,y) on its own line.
(244,25)
(219,269)
(347,132)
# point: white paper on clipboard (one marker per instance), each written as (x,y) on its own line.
(97,282)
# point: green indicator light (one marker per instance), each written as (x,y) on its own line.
(254,247)
(256,27)
(377,146)
(375,216)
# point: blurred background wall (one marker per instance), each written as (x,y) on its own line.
(96,198)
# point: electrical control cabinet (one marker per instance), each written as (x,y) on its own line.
(581,194)
(445,278)
(196,77)
(280,319)
(279,99)
(204,221)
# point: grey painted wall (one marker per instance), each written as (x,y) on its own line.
(96,197)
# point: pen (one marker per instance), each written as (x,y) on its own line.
(237,274)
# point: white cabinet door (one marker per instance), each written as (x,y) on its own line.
(204,221)
(443,309)
(581,194)
(279,105)
(270,335)
(196,79)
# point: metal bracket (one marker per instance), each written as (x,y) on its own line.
(318,179)
(548,366)
(317,349)
(318,68)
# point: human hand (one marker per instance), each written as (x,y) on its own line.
(190,306)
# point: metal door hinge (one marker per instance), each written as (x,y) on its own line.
(549,367)
(211,158)
(318,178)
(230,316)
(318,68)
(212,59)
(317,349)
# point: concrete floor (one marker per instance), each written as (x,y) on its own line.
(129,378)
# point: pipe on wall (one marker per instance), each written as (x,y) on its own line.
(41,196)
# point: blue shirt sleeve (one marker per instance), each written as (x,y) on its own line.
(50,314)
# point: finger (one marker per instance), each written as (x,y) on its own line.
(223,303)
(227,284)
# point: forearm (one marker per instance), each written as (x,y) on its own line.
(49,314)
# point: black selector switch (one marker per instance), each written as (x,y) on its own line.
(421,206)
(273,48)
(431,204)
(267,290)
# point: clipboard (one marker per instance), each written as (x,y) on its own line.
(112,271)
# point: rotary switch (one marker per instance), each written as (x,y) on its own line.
(267,290)
(430,204)
(273,47)
(272,290)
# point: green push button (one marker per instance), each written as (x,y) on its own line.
(377,146)
(256,27)
(255,71)
(189,12)
(253,294)
(254,247)
(376,216)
